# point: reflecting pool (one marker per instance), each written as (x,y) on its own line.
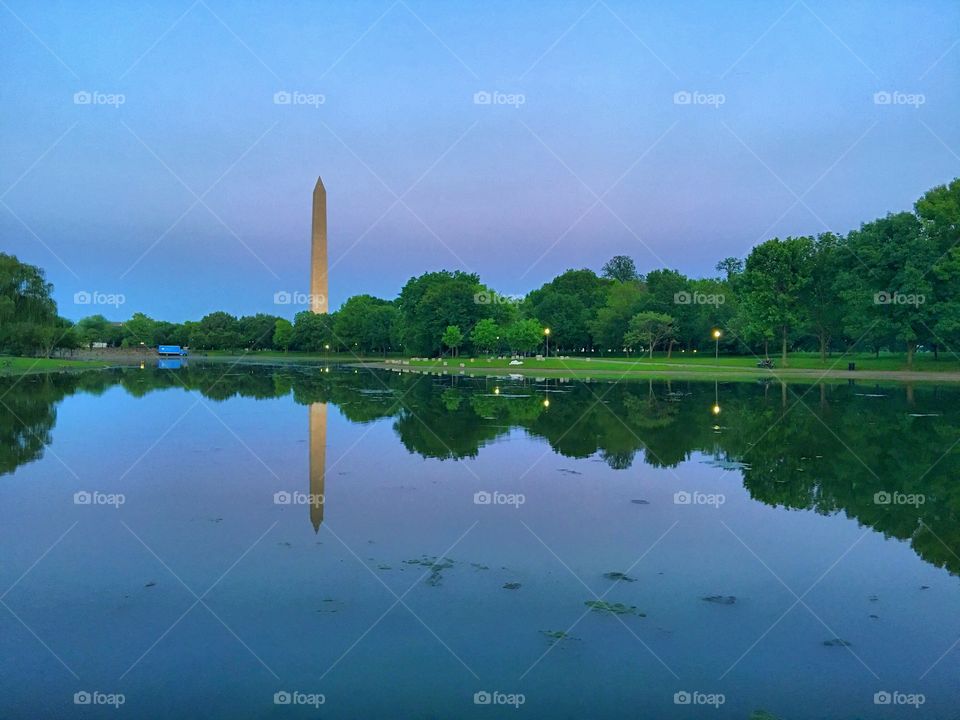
(249,541)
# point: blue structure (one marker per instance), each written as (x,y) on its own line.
(172,350)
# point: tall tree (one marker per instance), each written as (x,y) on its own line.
(774,277)
(313,332)
(939,213)
(432,301)
(452,338)
(624,300)
(27,310)
(649,329)
(620,268)
(486,335)
(821,295)
(568,305)
(282,334)
(889,281)
(730,267)
(524,336)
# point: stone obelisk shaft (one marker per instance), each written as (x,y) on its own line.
(319,288)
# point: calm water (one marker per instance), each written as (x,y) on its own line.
(159,543)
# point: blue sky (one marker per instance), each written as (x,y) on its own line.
(193,193)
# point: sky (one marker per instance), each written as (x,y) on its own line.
(160,157)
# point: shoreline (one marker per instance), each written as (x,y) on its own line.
(676,371)
(578,369)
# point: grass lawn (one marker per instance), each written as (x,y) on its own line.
(25,365)
(706,363)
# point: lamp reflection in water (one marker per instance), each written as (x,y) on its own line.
(318,461)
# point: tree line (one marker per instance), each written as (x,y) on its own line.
(890,284)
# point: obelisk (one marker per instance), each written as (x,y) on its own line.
(318,304)
(318,250)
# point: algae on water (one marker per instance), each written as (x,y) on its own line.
(436,566)
(602,606)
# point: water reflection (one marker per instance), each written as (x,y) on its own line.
(824,448)
(318,461)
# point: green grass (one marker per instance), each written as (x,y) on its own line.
(706,363)
(27,365)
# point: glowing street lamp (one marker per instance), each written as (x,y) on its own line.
(546,334)
(716,340)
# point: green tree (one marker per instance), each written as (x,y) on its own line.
(620,268)
(649,329)
(256,331)
(282,334)
(432,301)
(365,323)
(730,267)
(95,328)
(773,281)
(939,214)
(486,335)
(27,310)
(524,336)
(889,282)
(313,332)
(671,293)
(568,305)
(821,295)
(140,329)
(624,300)
(452,338)
(217,331)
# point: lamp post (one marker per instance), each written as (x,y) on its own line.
(546,334)
(716,347)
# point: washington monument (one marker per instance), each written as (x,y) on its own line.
(319,286)
(317,423)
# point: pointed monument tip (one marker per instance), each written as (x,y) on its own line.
(319,183)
